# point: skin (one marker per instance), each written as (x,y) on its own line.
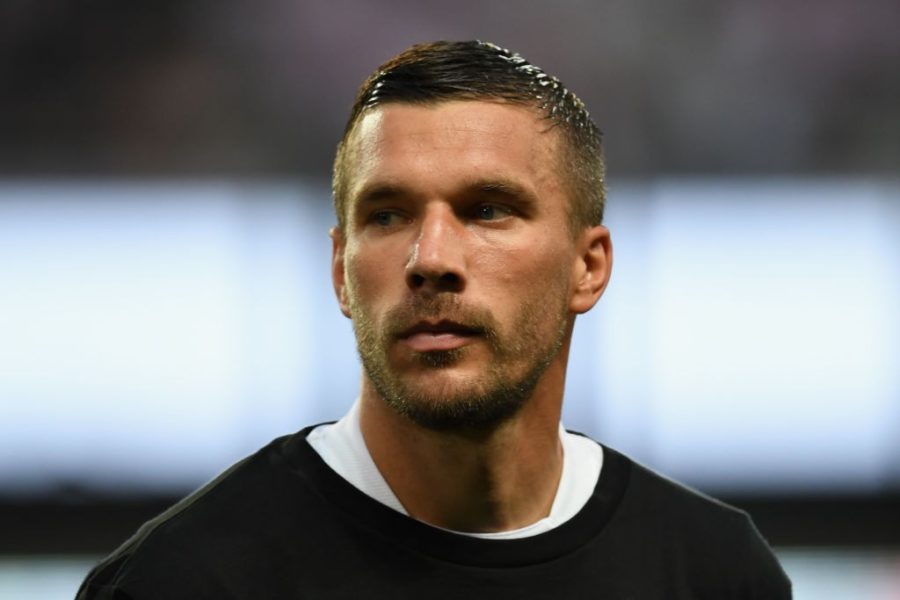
(456,213)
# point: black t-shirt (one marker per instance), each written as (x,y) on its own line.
(282,524)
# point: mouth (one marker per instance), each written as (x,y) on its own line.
(431,336)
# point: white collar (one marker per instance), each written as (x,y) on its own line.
(342,447)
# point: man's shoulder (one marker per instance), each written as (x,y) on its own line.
(656,500)
(243,489)
(214,525)
(660,517)
(649,489)
(630,485)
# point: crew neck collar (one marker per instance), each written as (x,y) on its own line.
(451,547)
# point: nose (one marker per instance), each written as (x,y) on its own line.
(437,259)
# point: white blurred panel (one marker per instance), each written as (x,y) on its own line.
(150,334)
(755,340)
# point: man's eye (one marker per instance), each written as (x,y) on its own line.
(384,218)
(490,212)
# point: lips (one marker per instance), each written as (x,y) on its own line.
(428,336)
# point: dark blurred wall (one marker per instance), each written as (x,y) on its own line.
(244,88)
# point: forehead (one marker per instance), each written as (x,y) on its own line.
(452,139)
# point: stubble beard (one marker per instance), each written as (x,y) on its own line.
(517,360)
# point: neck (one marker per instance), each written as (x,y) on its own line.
(487,481)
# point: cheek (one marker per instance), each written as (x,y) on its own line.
(352,271)
(366,275)
(531,266)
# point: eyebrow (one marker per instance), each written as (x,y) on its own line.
(500,187)
(381,191)
(504,190)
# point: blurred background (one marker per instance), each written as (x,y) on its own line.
(165,302)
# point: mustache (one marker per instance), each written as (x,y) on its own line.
(445,308)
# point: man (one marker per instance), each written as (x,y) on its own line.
(469,195)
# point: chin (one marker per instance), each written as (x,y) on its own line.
(446,400)
(457,415)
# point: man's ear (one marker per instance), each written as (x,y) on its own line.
(338,277)
(592,268)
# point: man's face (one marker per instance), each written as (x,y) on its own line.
(456,265)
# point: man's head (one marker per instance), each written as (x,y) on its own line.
(442,71)
(459,256)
